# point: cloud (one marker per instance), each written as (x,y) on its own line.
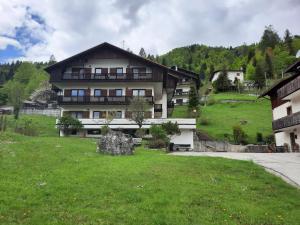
(63,28)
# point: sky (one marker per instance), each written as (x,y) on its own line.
(35,29)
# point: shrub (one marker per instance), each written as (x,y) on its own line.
(25,127)
(157,143)
(239,136)
(171,128)
(67,123)
(270,139)
(259,137)
(204,121)
(157,132)
(140,133)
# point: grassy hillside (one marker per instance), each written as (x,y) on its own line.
(253,116)
(50,180)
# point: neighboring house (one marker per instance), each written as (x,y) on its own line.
(103,80)
(232,75)
(181,95)
(285,100)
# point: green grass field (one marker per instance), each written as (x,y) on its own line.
(51,180)
(253,116)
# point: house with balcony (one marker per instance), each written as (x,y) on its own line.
(181,95)
(103,80)
(285,101)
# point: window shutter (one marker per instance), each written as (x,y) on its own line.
(128,115)
(103,92)
(104,70)
(148,92)
(148,114)
(103,114)
(112,92)
(86,114)
(113,70)
(128,92)
(67,92)
(87,73)
(128,70)
(87,92)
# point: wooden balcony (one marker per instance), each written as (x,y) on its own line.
(289,88)
(109,77)
(92,100)
(286,121)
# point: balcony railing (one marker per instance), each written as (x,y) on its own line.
(112,76)
(105,100)
(181,93)
(289,88)
(286,121)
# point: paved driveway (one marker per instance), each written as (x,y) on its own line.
(285,165)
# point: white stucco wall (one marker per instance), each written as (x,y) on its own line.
(280,111)
(186,137)
(231,75)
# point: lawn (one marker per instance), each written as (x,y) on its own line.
(253,116)
(51,180)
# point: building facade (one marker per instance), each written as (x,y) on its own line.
(232,75)
(285,101)
(103,80)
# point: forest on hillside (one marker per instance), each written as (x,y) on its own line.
(271,55)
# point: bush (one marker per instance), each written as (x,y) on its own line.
(270,139)
(239,136)
(171,128)
(157,143)
(157,132)
(67,123)
(25,127)
(140,133)
(259,138)
(204,121)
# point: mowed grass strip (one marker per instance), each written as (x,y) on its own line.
(49,180)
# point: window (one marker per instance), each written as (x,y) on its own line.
(238,74)
(138,92)
(289,110)
(76,92)
(118,115)
(93,131)
(99,114)
(97,92)
(77,115)
(119,71)
(98,70)
(118,92)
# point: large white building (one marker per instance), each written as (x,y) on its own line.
(285,100)
(103,80)
(232,75)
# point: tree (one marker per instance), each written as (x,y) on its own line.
(269,65)
(270,38)
(222,83)
(239,135)
(288,41)
(16,95)
(142,53)
(259,77)
(67,123)
(250,71)
(52,60)
(138,108)
(171,128)
(193,99)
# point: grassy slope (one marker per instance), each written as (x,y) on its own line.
(49,180)
(223,116)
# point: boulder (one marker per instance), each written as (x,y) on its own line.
(115,143)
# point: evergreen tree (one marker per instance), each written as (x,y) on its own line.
(193,98)
(142,53)
(269,65)
(288,41)
(259,76)
(270,38)
(52,60)
(211,71)
(222,83)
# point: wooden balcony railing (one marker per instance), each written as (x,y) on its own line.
(112,77)
(286,121)
(289,88)
(105,100)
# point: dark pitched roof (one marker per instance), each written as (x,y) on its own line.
(105,44)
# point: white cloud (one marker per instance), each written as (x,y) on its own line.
(158,26)
(5,41)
